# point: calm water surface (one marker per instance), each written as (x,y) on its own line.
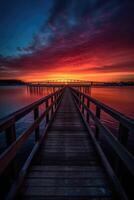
(119,98)
(13,98)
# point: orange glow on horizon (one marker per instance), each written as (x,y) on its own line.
(64,77)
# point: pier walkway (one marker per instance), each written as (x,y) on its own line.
(68,161)
(67,165)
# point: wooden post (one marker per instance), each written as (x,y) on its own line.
(37,130)
(10,138)
(79,100)
(123,134)
(88,105)
(56,99)
(10,135)
(52,106)
(123,139)
(83,103)
(98,111)
(55,102)
(47,115)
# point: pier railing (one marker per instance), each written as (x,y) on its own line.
(8,127)
(123,163)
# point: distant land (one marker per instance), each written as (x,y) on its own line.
(11,82)
(129,83)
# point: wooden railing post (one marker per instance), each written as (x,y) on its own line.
(123,139)
(123,134)
(88,105)
(10,135)
(47,115)
(57,98)
(83,104)
(55,101)
(98,111)
(80,101)
(77,99)
(10,138)
(37,130)
(52,106)
(79,96)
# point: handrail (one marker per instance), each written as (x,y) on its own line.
(119,149)
(122,158)
(128,122)
(7,121)
(8,125)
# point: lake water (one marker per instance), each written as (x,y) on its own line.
(119,98)
(13,98)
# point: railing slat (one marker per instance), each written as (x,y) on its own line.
(37,130)
(98,111)
(123,134)
(10,134)
(88,105)
(82,104)
(52,106)
(47,115)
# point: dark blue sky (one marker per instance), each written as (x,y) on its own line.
(91,38)
(20,20)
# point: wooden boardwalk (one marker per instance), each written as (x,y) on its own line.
(67,165)
(75,156)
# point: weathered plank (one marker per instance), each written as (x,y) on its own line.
(67,191)
(68,182)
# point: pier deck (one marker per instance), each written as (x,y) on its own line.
(67,165)
(74,156)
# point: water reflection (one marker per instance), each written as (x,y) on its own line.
(119,98)
(40,91)
(15,97)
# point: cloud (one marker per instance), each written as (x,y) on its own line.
(116,67)
(79,37)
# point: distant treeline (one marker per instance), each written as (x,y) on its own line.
(130,83)
(11,82)
(19,82)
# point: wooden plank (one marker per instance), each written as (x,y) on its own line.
(68,155)
(65,198)
(66,174)
(67,191)
(68,182)
(59,150)
(65,168)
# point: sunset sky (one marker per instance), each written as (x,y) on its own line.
(67,39)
